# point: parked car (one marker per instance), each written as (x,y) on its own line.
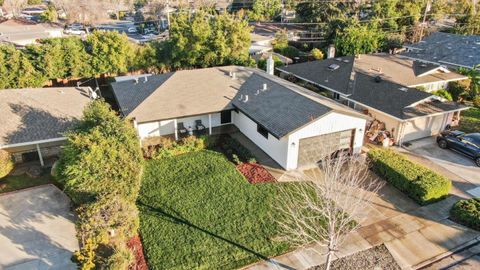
(467,144)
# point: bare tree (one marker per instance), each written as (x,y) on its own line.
(329,203)
(14,6)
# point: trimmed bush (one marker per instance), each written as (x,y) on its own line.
(419,183)
(467,212)
(169,148)
(6,163)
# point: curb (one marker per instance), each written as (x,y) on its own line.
(446,254)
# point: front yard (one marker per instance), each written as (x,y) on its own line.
(16,182)
(199,212)
(470,121)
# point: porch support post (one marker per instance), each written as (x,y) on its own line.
(175,128)
(209,124)
(40,155)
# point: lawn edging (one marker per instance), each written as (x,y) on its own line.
(418,182)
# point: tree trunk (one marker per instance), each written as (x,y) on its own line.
(329,259)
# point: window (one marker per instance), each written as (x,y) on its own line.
(336,96)
(225,117)
(262,131)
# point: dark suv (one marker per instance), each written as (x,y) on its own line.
(467,144)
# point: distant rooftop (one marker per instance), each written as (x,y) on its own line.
(447,49)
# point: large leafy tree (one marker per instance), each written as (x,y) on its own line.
(111,52)
(102,156)
(265,9)
(16,70)
(359,38)
(202,40)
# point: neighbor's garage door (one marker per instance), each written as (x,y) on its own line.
(423,127)
(314,149)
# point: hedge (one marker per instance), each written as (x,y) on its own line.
(6,163)
(419,183)
(467,212)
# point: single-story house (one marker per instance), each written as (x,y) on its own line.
(292,125)
(382,87)
(34,120)
(446,49)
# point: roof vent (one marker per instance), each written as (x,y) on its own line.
(346,61)
(423,65)
(264,87)
(257,93)
(378,79)
(135,80)
(333,67)
(404,89)
(246,99)
(241,97)
(233,75)
(338,59)
(146,79)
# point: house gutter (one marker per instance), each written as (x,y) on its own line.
(6,146)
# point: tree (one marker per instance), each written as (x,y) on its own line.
(14,6)
(327,204)
(101,156)
(111,52)
(317,54)
(280,41)
(16,70)
(202,40)
(474,76)
(49,15)
(359,38)
(468,24)
(265,10)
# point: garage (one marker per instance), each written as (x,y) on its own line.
(313,149)
(424,127)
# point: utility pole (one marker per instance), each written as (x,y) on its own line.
(427,9)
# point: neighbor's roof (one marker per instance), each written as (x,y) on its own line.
(355,78)
(281,109)
(397,100)
(35,114)
(446,48)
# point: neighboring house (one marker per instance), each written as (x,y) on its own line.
(381,86)
(21,33)
(446,49)
(34,120)
(292,125)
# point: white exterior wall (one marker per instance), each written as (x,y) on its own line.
(276,149)
(390,122)
(426,126)
(166,127)
(333,122)
(431,87)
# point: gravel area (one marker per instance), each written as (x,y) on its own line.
(378,258)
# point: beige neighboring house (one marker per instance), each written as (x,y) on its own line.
(21,33)
(34,120)
(385,87)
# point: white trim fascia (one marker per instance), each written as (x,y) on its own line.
(5,146)
(453,64)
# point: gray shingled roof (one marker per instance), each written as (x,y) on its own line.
(446,48)
(278,109)
(28,115)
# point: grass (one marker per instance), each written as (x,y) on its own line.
(470,120)
(198,212)
(12,183)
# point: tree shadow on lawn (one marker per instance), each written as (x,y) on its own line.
(178,219)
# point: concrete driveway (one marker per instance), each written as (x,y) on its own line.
(454,162)
(37,230)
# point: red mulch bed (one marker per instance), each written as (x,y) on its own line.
(255,173)
(135,244)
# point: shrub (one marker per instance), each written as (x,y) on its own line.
(6,163)
(458,89)
(419,183)
(170,148)
(290,52)
(236,151)
(317,54)
(476,101)
(444,94)
(467,212)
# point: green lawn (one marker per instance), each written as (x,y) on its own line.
(470,120)
(198,212)
(11,183)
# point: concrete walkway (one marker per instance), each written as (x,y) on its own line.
(412,234)
(36,230)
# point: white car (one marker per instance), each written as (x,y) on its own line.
(132,30)
(74,31)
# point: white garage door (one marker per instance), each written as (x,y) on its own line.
(423,127)
(313,149)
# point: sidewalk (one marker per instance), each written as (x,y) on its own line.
(413,234)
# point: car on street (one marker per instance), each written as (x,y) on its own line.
(466,144)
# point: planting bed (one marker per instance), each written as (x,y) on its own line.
(255,173)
